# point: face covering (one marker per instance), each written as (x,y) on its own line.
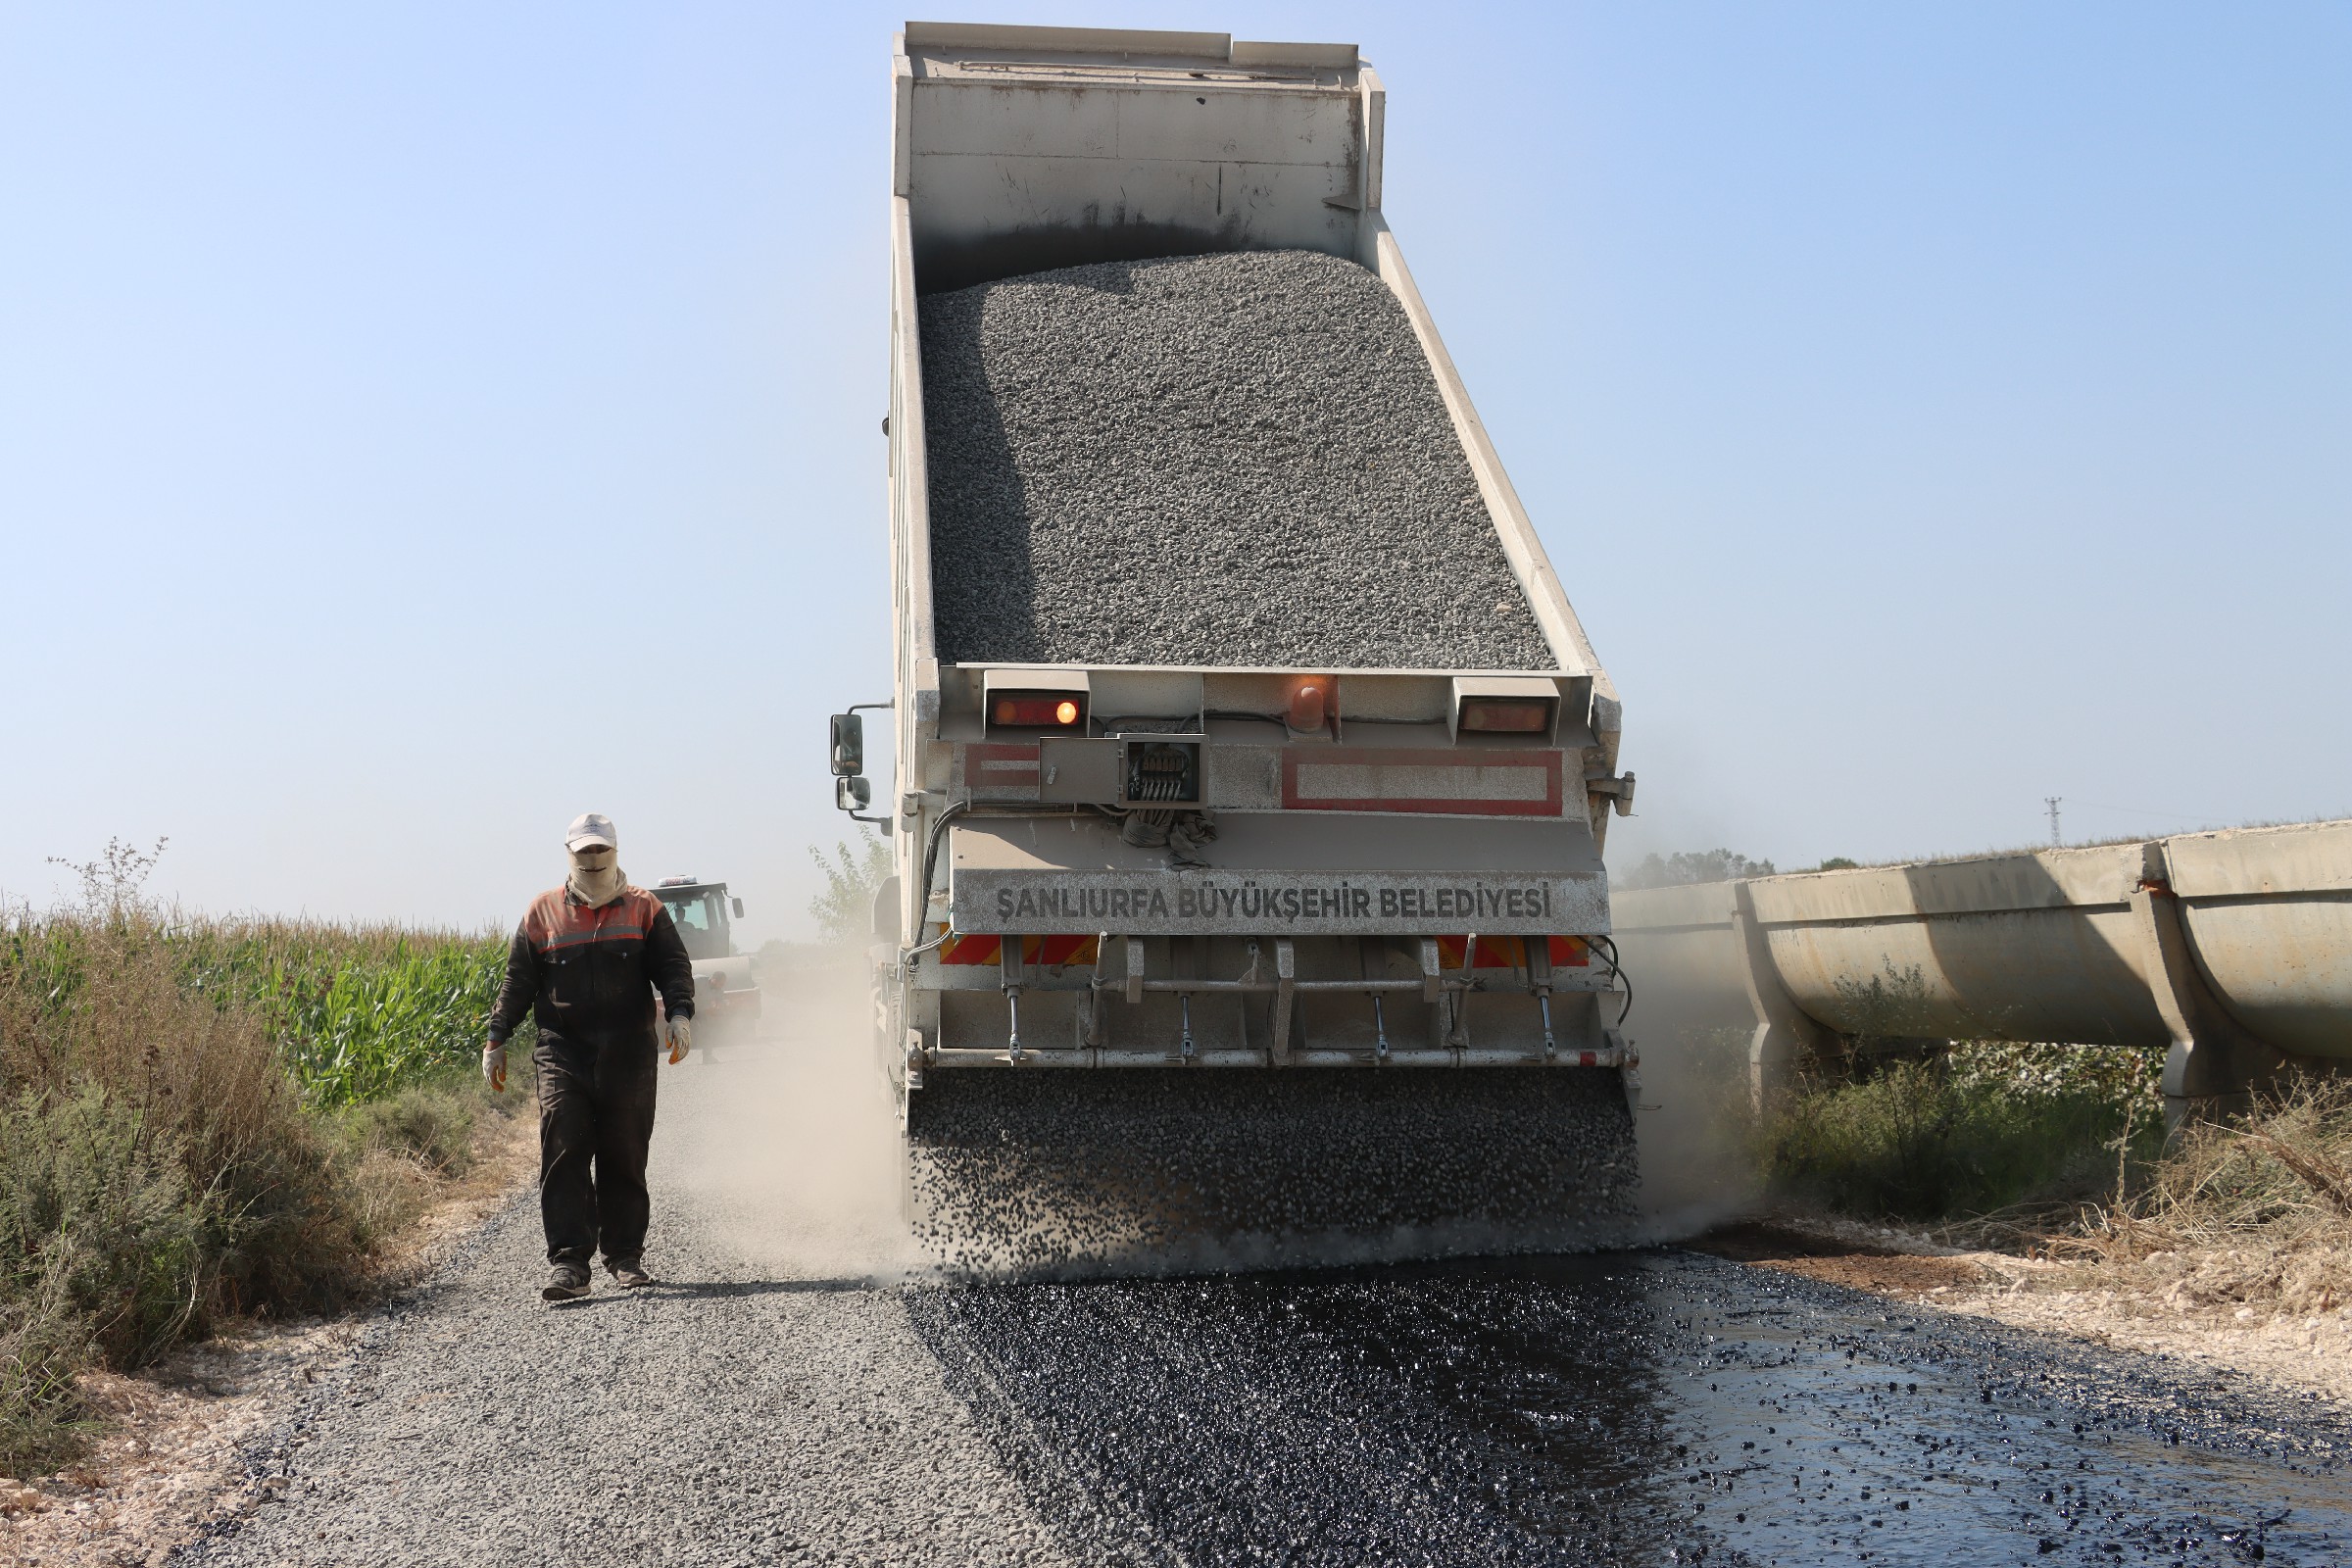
(596,876)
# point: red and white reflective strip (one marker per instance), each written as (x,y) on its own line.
(998,771)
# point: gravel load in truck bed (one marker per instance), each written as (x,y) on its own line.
(1209,459)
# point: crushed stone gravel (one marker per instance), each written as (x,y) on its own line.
(785,1395)
(764,1401)
(716,1418)
(1038,1172)
(1236,460)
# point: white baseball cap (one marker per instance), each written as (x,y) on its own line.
(591,827)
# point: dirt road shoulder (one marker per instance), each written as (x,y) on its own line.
(172,1457)
(2299,1355)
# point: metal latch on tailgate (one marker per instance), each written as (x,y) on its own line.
(1621,788)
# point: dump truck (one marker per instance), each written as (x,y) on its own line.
(1250,768)
(726,994)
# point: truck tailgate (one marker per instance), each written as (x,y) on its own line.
(1287,874)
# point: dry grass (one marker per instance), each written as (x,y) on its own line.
(92,1011)
(202,1120)
(2251,1214)
(2058,1153)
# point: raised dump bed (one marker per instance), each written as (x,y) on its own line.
(1240,721)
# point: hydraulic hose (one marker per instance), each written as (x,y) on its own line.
(1608,951)
(922,896)
(931,843)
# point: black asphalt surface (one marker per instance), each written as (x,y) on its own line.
(1630,1407)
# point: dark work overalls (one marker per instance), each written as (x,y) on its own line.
(587,976)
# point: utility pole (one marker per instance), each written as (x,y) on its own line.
(2051,801)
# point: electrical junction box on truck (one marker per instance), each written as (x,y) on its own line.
(1159,772)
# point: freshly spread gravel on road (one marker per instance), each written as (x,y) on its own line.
(722,1416)
(1615,1408)
(765,1402)
(1209,459)
(1038,1171)
(771,1401)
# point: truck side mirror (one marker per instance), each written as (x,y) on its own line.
(738,903)
(848,746)
(853,793)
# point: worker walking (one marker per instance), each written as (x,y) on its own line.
(586,961)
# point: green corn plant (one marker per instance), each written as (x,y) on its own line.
(357,1012)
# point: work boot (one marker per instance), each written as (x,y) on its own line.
(567,1283)
(628,1273)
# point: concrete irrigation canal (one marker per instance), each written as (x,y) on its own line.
(1638,1407)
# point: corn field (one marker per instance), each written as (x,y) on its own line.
(354,1012)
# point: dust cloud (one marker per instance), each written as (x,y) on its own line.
(1696,1124)
(785,1150)
(1695,1129)
(786,1145)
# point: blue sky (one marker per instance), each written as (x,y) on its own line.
(419,424)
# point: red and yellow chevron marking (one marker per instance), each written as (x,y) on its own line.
(1034,950)
(1510,953)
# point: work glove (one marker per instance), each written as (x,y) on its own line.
(679,1033)
(493,1066)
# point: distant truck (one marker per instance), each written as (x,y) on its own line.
(727,996)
